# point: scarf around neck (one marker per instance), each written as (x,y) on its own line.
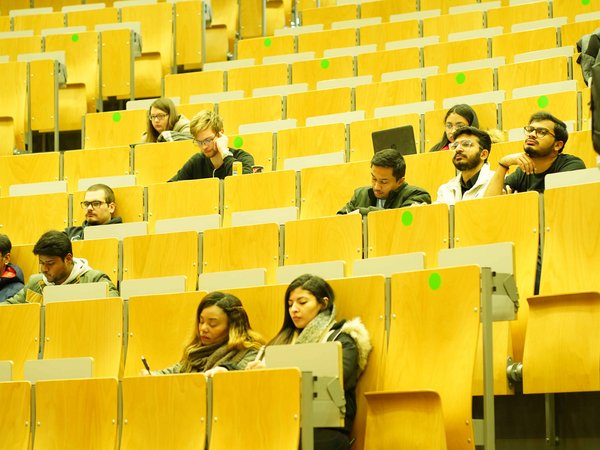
(317,329)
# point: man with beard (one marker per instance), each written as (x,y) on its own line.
(471,149)
(388,187)
(545,139)
(215,159)
(58,266)
(99,206)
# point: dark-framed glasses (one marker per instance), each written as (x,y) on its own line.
(538,131)
(160,116)
(95,204)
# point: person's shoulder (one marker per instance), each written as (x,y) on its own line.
(572,161)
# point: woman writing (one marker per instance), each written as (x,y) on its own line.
(222,338)
(310,318)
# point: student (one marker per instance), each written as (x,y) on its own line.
(11,275)
(471,149)
(162,116)
(458,116)
(310,317)
(545,140)
(215,159)
(388,186)
(58,266)
(99,206)
(222,338)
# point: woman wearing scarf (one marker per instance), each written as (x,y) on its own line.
(310,318)
(222,339)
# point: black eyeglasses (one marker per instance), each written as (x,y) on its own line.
(539,131)
(95,204)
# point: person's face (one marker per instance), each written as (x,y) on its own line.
(4,260)
(453,122)
(213,325)
(467,152)
(205,140)
(100,214)
(55,269)
(303,307)
(383,181)
(159,119)
(538,146)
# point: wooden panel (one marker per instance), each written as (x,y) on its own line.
(28,168)
(461,83)
(145,256)
(452,23)
(238,248)
(248,78)
(416,229)
(160,326)
(325,199)
(277,190)
(321,40)
(188,34)
(20,331)
(510,44)
(386,93)
(273,411)
(516,112)
(15,417)
(326,15)
(382,33)
(182,199)
(302,105)
(446,53)
(571,239)
(109,129)
(507,16)
(179,414)
(87,328)
(324,239)
(249,110)
(152,167)
(13,89)
(66,408)
(183,85)
(530,73)
(429,170)
(101,254)
(315,70)
(108,161)
(260,47)
(54,208)
(434,312)
(292,143)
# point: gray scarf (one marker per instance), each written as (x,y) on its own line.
(317,329)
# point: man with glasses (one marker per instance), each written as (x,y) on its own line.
(58,266)
(471,148)
(99,208)
(388,187)
(215,159)
(545,139)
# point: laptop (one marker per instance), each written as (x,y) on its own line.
(399,138)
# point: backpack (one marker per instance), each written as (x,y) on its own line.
(589,46)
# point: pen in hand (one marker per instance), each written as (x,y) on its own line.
(145,363)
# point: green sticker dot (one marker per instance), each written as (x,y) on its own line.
(116,117)
(75,37)
(238,142)
(585,2)
(435,281)
(407,218)
(267,42)
(543,101)
(325,64)
(460,78)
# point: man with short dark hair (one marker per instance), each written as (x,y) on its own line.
(58,266)
(11,275)
(471,149)
(545,140)
(388,188)
(99,206)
